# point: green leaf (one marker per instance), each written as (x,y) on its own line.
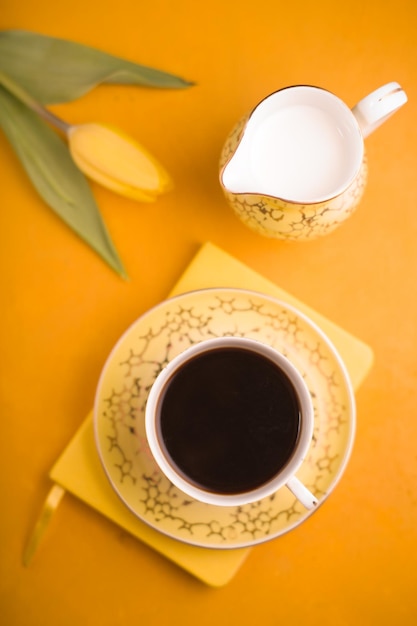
(48,163)
(56,70)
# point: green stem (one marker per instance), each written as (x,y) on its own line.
(29,101)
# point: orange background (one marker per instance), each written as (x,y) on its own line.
(354,561)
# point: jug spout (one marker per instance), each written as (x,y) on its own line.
(236,176)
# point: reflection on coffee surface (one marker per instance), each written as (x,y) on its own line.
(229,420)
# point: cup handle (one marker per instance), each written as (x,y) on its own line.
(302,493)
(373,110)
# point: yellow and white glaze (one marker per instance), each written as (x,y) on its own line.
(149,344)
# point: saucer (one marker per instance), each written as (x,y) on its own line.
(138,357)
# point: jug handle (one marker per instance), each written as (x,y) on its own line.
(378,106)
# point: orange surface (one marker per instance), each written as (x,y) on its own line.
(353,562)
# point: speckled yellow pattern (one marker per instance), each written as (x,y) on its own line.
(146,348)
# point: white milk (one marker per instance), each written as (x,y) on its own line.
(299,153)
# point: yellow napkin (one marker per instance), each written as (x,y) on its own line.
(79,470)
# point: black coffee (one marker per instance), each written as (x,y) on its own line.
(230,419)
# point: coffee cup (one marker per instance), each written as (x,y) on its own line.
(229,421)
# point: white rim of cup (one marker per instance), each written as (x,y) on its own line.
(286,475)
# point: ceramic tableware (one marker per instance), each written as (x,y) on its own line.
(155,339)
(295,167)
(229,421)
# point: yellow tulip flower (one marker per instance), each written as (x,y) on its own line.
(111,158)
(104,154)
